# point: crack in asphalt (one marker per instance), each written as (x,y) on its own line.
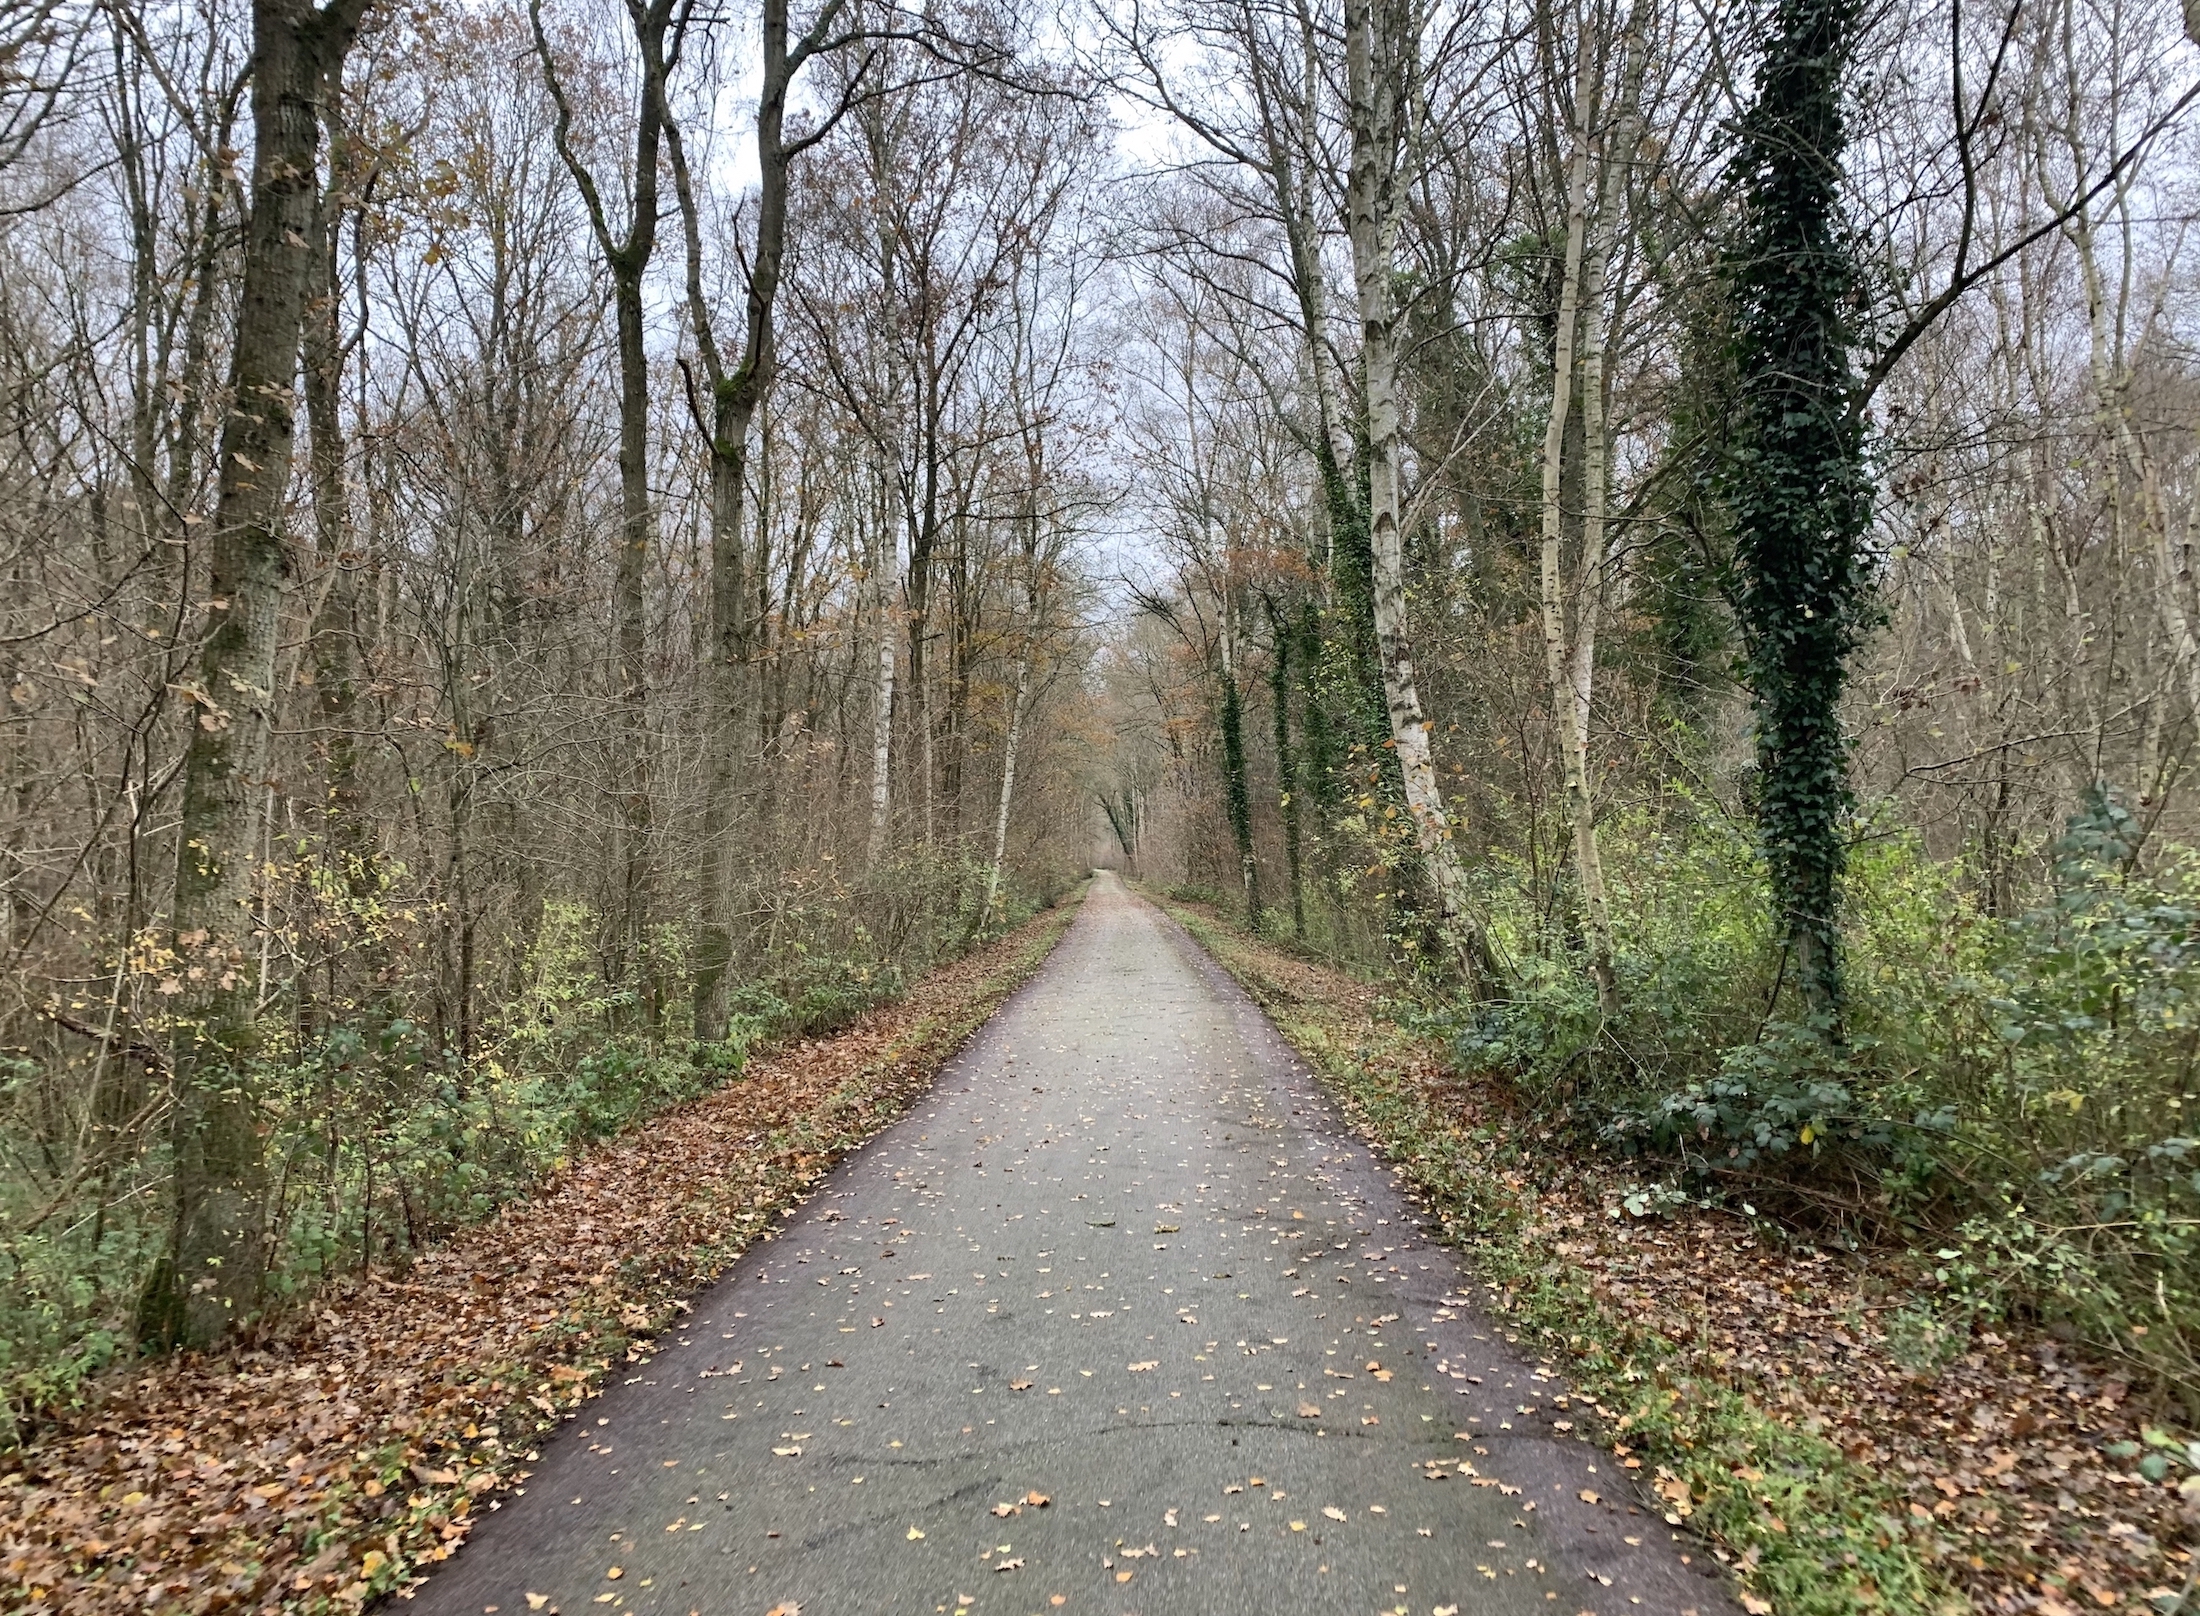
(836,1448)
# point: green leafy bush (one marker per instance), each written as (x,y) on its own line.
(2008,1095)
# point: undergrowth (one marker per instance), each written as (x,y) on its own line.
(2006,1096)
(382,1136)
(1802,1526)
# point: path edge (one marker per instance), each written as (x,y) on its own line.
(1742,1476)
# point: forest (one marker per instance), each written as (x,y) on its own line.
(549,547)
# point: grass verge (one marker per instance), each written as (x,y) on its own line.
(1806,1530)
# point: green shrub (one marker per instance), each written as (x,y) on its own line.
(2008,1094)
(381,1138)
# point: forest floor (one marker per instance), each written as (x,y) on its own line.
(357,1440)
(1778,1395)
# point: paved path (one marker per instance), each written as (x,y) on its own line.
(1125,1258)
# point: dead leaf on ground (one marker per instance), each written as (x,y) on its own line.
(501,1327)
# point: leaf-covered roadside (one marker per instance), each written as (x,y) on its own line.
(1837,1446)
(351,1447)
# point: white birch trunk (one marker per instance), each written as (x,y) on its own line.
(1371,207)
(1567,693)
(882,711)
(1008,783)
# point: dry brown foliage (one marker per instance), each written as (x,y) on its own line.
(352,1443)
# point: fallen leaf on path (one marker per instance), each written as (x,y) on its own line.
(1332,1512)
(511,1323)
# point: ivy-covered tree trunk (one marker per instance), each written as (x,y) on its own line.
(1796,483)
(1320,765)
(1287,785)
(1237,792)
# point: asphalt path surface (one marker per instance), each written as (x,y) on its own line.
(1120,1319)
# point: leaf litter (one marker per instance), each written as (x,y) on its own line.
(344,1447)
(2019,1457)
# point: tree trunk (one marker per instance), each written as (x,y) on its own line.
(1287,792)
(1008,785)
(1237,792)
(626,256)
(211,1273)
(1588,609)
(630,612)
(334,629)
(1568,664)
(1378,54)
(736,393)
(1796,480)
(882,694)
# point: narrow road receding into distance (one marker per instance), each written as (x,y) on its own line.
(1125,1258)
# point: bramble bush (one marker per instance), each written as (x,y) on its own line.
(2007,1094)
